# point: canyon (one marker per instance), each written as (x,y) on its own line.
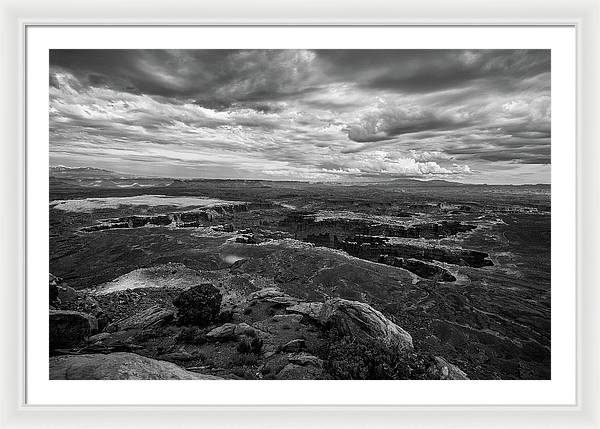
(467,279)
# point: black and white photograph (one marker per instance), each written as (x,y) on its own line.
(298,214)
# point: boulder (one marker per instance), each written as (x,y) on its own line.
(118,366)
(66,294)
(283,300)
(299,372)
(444,370)
(274,364)
(312,310)
(230,331)
(99,337)
(294,345)
(70,328)
(360,321)
(149,318)
(181,355)
(274,296)
(305,359)
(287,318)
(223,332)
(268,292)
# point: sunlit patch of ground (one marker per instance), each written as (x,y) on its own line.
(90,204)
(161,276)
(230,259)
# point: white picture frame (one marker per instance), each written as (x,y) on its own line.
(17,16)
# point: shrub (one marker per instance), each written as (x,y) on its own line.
(186,335)
(244,346)
(190,335)
(250,345)
(225,316)
(244,359)
(199,305)
(370,360)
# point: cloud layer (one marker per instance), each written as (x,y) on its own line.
(473,116)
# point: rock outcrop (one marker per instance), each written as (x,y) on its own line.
(231,331)
(360,321)
(293,371)
(149,318)
(185,219)
(444,370)
(70,328)
(294,345)
(270,335)
(298,366)
(118,366)
(371,248)
(420,268)
(311,310)
(328,230)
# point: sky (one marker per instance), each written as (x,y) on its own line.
(473,116)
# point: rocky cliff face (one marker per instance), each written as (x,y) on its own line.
(186,219)
(420,268)
(306,225)
(412,246)
(370,248)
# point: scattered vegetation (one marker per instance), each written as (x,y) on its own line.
(244,359)
(191,335)
(250,345)
(225,316)
(347,359)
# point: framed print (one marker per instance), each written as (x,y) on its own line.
(311,217)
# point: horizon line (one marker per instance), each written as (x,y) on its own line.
(332,182)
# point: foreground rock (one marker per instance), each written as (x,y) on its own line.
(360,321)
(70,328)
(274,296)
(311,310)
(118,366)
(60,292)
(444,370)
(231,331)
(297,366)
(299,372)
(267,334)
(149,318)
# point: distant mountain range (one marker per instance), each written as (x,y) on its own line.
(62,171)
(99,174)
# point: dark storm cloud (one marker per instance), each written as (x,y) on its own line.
(220,77)
(391,121)
(324,114)
(435,70)
(272,73)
